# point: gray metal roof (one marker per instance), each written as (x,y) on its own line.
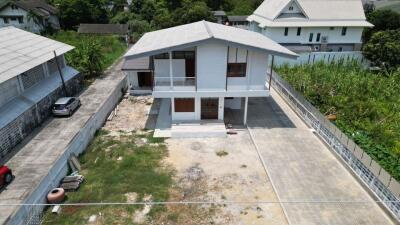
(237,18)
(318,13)
(21,51)
(137,64)
(86,28)
(194,34)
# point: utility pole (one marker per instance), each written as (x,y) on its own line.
(61,75)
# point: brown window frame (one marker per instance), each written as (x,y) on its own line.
(184,105)
(236,72)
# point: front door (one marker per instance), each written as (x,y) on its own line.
(145,79)
(209,108)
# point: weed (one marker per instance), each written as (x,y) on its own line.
(222,153)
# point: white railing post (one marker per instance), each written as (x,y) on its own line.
(170,70)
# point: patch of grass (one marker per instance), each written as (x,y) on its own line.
(222,153)
(108,180)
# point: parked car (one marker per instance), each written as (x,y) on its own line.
(5,176)
(66,106)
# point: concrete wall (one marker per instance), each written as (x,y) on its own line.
(161,68)
(14,132)
(211,67)
(353,35)
(76,146)
(9,90)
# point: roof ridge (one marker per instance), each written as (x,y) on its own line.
(208,29)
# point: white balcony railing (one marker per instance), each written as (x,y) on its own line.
(165,82)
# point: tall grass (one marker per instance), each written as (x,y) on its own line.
(367,105)
(111,47)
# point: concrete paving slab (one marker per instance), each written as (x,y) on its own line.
(305,171)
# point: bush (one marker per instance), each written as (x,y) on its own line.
(92,54)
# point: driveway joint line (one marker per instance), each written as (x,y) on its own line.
(268,175)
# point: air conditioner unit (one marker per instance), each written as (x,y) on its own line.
(324,39)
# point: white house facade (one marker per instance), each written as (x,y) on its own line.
(312,25)
(29,15)
(203,68)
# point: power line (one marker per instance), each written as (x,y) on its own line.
(201,203)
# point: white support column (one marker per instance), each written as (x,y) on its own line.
(172,109)
(170,70)
(245,110)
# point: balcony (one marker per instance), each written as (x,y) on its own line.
(174,84)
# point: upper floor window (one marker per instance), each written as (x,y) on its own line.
(318,37)
(236,70)
(291,8)
(286,31)
(331,28)
(344,31)
(311,37)
(298,31)
(14,7)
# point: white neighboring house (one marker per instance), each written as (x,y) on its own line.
(30,15)
(203,68)
(312,25)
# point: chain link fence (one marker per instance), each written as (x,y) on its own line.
(379,181)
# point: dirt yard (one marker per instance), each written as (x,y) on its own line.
(228,169)
(134,113)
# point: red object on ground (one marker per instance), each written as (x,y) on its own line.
(56,195)
(5,175)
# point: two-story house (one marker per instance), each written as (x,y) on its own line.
(30,15)
(312,25)
(203,68)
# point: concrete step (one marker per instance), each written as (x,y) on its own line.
(199,130)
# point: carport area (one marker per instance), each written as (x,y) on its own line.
(312,184)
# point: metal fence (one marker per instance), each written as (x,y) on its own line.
(385,187)
(327,57)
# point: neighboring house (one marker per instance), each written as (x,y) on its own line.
(203,68)
(235,21)
(220,16)
(29,82)
(239,22)
(30,15)
(311,25)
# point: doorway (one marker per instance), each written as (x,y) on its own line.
(209,108)
(145,79)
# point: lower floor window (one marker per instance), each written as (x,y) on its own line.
(184,104)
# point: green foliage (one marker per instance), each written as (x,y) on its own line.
(367,105)
(113,167)
(382,20)
(92,54)
(74,12)
(383,49)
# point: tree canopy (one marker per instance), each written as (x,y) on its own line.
(383,49)
(382,20)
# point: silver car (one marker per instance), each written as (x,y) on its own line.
(66,106)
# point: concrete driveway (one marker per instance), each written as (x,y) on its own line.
(302,169)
